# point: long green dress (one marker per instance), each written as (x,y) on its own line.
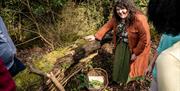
(121,64)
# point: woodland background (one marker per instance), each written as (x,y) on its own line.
(43,31)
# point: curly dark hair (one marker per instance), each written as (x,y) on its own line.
(129,5)
(163,14)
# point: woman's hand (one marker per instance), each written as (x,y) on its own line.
(90,38)
(133,57)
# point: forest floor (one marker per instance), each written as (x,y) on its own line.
(102,60)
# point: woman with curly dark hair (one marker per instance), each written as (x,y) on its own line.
(164,16)
(131,39)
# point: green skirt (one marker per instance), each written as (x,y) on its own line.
(121,64)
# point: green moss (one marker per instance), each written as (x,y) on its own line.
(75,22)
(25,80)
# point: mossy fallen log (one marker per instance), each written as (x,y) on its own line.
(76,59)
(78,53)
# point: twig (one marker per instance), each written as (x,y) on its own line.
(53,78)
(50,76)
(28,41)
(26,3)
(77,68)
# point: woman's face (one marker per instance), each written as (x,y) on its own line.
(122,12)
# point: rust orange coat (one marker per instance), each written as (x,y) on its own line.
(138,42)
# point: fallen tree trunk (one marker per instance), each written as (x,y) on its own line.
(77,59)
(78,53)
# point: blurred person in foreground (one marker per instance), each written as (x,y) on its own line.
(6,81)
(165,18)
(8,51)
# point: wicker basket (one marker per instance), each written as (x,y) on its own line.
(99,74)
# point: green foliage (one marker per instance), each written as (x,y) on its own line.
(83,81)
(53,22)
(95,84)
(26,19)
(39,9)
(141,3)
(155,37)
(79,82)
(57,3)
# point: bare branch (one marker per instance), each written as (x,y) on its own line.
(28,41)
(50,76)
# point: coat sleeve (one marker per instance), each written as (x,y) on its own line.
(105,28)
(143,33)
